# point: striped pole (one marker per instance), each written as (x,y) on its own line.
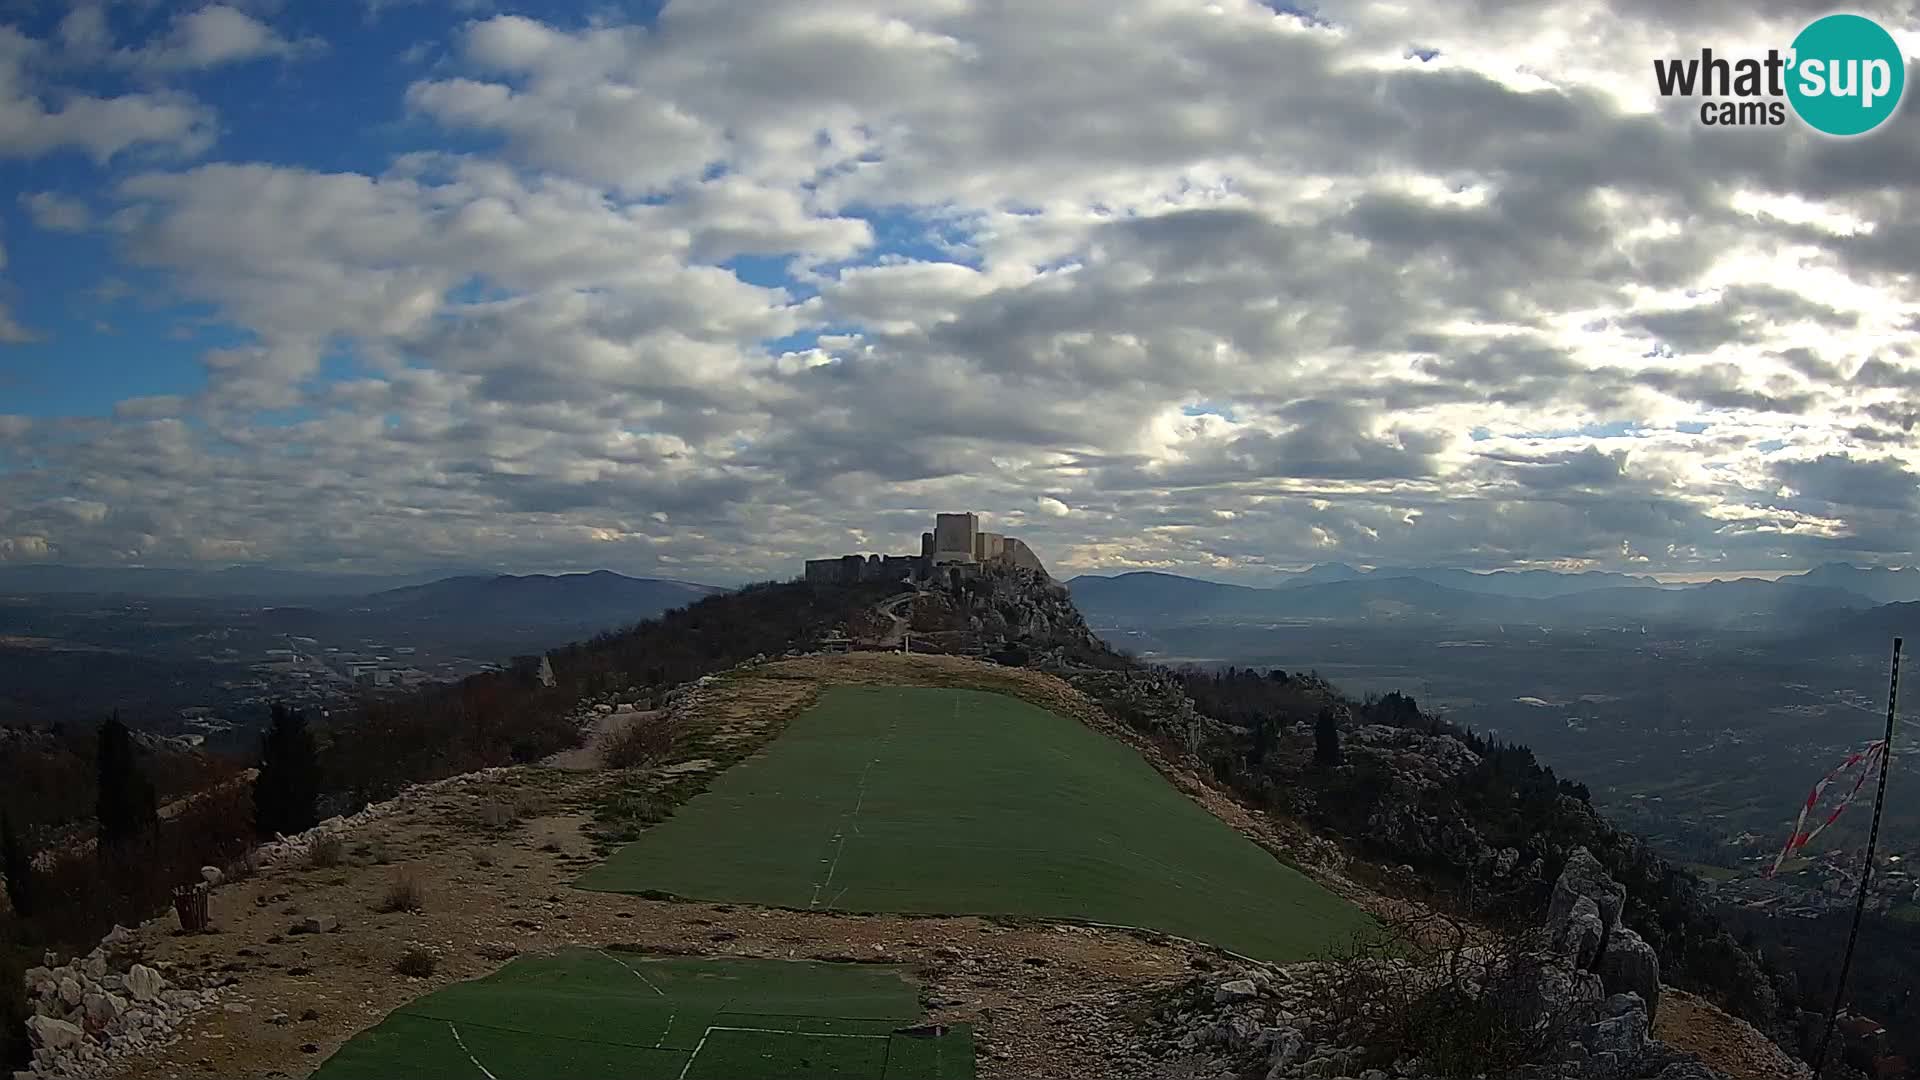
(1866,872)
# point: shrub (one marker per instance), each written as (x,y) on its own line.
(405,894)
(496,814)
(639,744)
(417,962)
(1466,1000)
(326,852)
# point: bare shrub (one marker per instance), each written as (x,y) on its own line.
(418,962)
(405,894)
(1467,1000)
(326,851)
(639,744)
(496,814)
(532,804)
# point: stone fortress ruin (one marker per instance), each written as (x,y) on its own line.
(956,548)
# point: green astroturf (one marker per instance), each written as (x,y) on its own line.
(935,801)
(584,1014)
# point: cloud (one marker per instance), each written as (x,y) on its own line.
(208,37)
(1211,287)
(38,117)
(55,212)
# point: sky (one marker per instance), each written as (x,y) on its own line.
(702,289)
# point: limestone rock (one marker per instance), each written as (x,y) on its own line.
(119,935)
(1577,937)
(1630,965)
(1284,1048)
(1235,990)
(102,1009)
(144,983)
(54,1034)
(316,924)
(212,876)
(1584,876)
(70,991)
(1622,1036)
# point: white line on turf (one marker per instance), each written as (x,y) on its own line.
(672,1014)
(697,1047)
(469,1053)
(840,835)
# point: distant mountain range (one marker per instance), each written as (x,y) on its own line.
(1537,597)
(228,583)
(600,598)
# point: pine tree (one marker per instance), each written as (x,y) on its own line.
(1326,737)
(18,866)
(286,792)
(126,805)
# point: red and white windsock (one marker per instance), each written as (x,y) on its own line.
(1861,760)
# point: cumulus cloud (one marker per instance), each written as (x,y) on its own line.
(55,212)
(206,37)
(1214,287)
(38,116)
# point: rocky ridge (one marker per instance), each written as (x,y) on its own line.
(1594,987)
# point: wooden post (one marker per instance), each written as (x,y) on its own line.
(190,903)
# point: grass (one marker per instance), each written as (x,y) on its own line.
(920,800)
(584,1013)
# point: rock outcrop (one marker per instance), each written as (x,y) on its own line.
(103,1006)
(1597,1000)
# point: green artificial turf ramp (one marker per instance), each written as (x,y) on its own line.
(584,1014)
(908,799)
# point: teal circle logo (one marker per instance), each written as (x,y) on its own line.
(1847,74)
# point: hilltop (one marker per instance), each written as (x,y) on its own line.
(1416,816)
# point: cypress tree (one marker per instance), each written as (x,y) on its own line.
(125,805)
(18,867)
(286,792)
(1326,737)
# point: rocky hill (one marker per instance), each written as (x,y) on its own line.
(1553,912)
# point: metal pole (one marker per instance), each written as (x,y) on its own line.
(1866,872)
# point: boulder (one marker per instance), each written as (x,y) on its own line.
(103,1009)
(1235,990)
(1629,965)
(95,965)
(1236,1032)
(1584,876)
(144,983)
(316,924)
(119,935)
(54,1034)
(1576,937)
(1283,1048)
(212,876)
(70,991)
(1623,1034)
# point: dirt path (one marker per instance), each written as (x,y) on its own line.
(588,756)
